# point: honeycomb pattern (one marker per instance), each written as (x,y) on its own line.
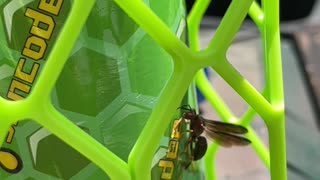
(146,63)
(118,132)
(105,24)
(87,86)
(109,85)
(50,157)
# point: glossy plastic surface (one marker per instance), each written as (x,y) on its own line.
(187,62)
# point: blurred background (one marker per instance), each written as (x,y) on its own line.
(300,42)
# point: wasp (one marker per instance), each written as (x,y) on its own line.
(225,134)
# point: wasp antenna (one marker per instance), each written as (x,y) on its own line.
(185,107)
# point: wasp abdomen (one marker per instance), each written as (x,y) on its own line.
(200,148)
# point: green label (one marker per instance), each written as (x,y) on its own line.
(108,87)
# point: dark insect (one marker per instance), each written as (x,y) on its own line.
(225,134)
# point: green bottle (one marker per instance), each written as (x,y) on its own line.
(108,87)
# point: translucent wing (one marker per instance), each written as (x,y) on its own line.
(223,127)
(225,139)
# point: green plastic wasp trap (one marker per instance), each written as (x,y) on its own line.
(108,87)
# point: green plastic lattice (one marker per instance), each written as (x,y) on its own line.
(187,63)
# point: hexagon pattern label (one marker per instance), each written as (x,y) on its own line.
(108,87)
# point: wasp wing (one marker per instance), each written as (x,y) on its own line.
(223,127)
(225,139)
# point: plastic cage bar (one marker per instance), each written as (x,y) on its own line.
(187,62)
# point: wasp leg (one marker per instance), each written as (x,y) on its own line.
(186,152)
(176,125)
(187,131)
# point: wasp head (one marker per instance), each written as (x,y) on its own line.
(191,114)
